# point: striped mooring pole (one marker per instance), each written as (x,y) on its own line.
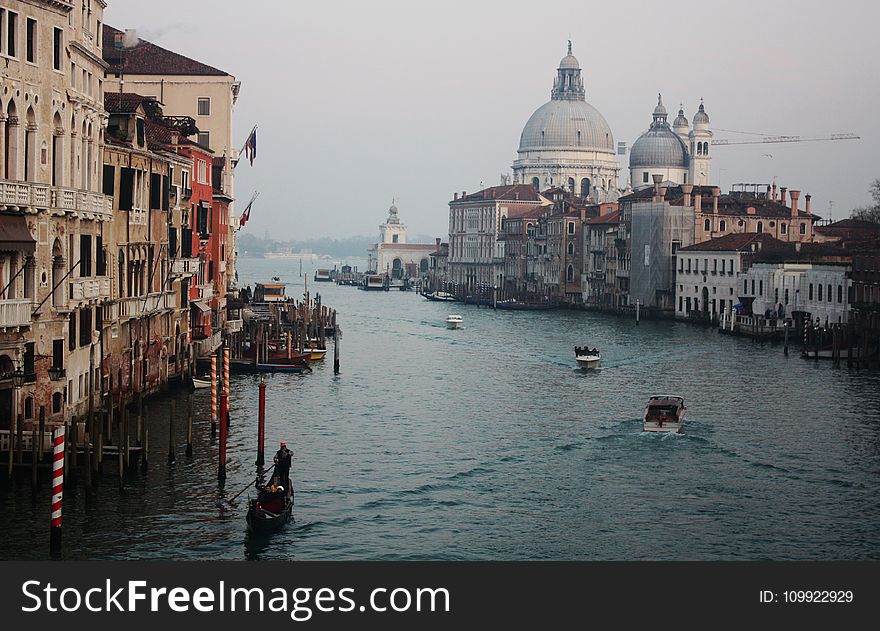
(226,377)
(213,393)
(57,488)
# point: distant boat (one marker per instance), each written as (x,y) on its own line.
(664,413)
(454,322)
(587,357)
(373,282)
(323,276)
(440,296)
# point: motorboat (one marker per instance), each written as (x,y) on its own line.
(374,282)
(454,322)
(201,382)
(664,413)
(587,357)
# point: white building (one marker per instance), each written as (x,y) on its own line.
(817,290)
(393,256)
(678,154)
(567,142)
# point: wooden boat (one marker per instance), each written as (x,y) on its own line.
(201,382)
(316,354)
(587,357)
(454,322)
(664,413)
(269,511)
(440,296)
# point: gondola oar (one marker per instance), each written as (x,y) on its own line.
(247,487)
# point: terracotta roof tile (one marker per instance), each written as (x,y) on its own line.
(150,59)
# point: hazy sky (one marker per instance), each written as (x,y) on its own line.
(360,101)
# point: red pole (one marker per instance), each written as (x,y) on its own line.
(224,409)
(57,489)
(213,393)
(261,431)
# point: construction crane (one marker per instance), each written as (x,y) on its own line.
(782,139)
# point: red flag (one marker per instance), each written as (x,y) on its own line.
(245,216)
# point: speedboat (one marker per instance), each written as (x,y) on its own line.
(664,413)
(454,322)
(587,357)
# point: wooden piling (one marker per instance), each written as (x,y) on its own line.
(34,446)
(125,435)
(189,426)
(336,337)
(87,465)
(221,469)
(261,425)
(139,436)
(171,458)
(145,450)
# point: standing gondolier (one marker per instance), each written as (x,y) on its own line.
(283,460)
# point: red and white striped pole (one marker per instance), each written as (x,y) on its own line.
(57,488)
(213,393)
(226,369)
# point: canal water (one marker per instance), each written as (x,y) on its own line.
(488,443)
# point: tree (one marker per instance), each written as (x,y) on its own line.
(870,212)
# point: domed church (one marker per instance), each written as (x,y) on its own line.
(567,142)
(679,154)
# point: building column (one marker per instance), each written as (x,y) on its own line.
(11,156)
(30,156)
(2,146)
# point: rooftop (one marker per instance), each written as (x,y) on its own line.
(146,58)
(509,192)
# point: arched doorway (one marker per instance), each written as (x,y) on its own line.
(10,157)
(6,391)
(705,301)
(423,266)
(396,269)
(30,146)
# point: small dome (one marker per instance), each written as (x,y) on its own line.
(701,117)
(680,120)
(660,110)
(658,147)
(569,62)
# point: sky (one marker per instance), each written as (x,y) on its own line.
(360,102)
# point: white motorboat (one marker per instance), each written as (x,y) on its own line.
(454,322)
(587,357)
(204,382)
(664,413)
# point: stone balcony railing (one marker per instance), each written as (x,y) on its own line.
(234,326)
(206,292)
(15,313)
(206,346)
(30,196)
(144,305)
(185,266)
(90,288)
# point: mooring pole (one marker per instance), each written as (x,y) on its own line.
(171,458)
(189,425)
(637,312)
(145,449)
(57,489)
(261,426)
(785,348)
(213,393)
(221,469)
(35,451)
(335,346)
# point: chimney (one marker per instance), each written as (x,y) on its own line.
(795,195)
(658,194)
(774,191)
(454,196)
(464,193)
(437,241)
(807,198)
(716,192)
(767,196)
(687,189)
(782,195)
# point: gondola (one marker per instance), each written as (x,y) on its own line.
(269,511)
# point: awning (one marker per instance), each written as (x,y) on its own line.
(15,235)
(201,306)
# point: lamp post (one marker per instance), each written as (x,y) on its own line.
(17,383)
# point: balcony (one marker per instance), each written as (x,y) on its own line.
(234,326)
(146,305)
(24,195)
(15,313)
(206,292)
(185,266)
(96,288)
(208,345)
(30,196)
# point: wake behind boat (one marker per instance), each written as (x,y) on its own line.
(664,413)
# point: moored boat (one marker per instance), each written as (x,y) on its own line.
(323,276)
(201,382)
(454,322)
(374,282)
(587,357)
(664,413)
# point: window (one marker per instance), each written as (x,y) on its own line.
(29,361)
(85,255)
(11,32)
(829,293)
(689,266)
(71,332)
(31,42)
(58,353)
(571,248)
(57,45)
(820,291)
(753,286)
(707,225)
(760,227)
(570,227)
(811,291)
(645,177)
(760,287)
(204,106)
(745,286)
(783,228)
(722,225)
(786,296)
(714,266)
(204,139)
(85,327)
(840,293)
(803,228)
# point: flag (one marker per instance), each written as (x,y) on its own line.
(245,215)
(250,146)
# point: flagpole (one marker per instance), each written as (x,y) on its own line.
(245,144)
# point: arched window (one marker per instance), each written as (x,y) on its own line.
(571,184)
(57,400)
(121,275)
(536,183)
(569,274)
(423,266)
(707,225)
(585,187)
(571,248)
(760,227)
(722,225)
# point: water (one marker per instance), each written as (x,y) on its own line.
(488,443)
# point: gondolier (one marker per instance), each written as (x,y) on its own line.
(283,459)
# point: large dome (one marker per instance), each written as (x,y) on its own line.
(567,124)
(658,148)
